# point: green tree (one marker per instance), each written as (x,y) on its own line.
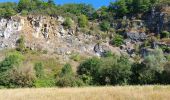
(120,7)
(14,59)
(51,2)
(149,71)
(24,4)
(141,6)
(89,70)
(115,70)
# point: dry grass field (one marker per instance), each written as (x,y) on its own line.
(89,93)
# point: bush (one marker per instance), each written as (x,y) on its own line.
(66,70)
(39,69)
(150,70)
(115,71)
(106,71)
(69,81)
(24,12)
(21,44)
(165,34)
(117,40)
(67,78)
(20,78)
(82,21)
(68,23)
(13,59)
(166,74)
(7,9)
(105,26)
(90,68)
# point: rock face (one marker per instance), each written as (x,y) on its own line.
(47,33)
(10,26)
(158,20)
(101,49)
(9,29)
(136,36)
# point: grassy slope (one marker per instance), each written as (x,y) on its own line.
(89,93)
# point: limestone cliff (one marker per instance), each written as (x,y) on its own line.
(47,33)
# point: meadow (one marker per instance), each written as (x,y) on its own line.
(89,93)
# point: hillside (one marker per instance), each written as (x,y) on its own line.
(90,93)
(43,44)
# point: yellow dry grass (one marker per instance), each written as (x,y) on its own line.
(89,93)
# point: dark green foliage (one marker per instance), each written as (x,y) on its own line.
(115,70)
(10,61)
(149,71)
(111,70)
(66,70)
(120,7)
(7,9)
(105,26)
(21,44)
(9,76)
(117,40)
(51,2)
(126,7)
(89,69)
(39,69)
(166,74)
(67,78)
(108,54)
(165,34)
(78,9)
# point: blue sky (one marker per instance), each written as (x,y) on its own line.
(95,3)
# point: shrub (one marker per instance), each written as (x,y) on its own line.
(67,78)
(149,71)
(24,12)
(13,59)
(115,70)
(68,23)
(69,81)
(117,40)
(110,70)
(108,54)
(39,69)
(105,26)
(20,78)
(165,34)
(66,70)
(90,68)
(21,44)
(82,21)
